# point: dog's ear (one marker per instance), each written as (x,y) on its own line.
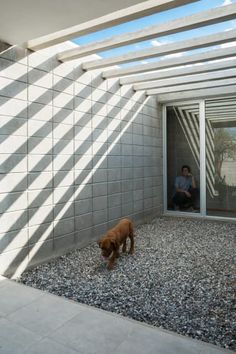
(99,242)
(114,244)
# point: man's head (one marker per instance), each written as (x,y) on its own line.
(185,170)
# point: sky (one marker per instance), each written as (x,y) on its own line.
(158,18)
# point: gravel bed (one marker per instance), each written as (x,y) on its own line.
(181,278)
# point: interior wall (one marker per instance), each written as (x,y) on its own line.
(77,154)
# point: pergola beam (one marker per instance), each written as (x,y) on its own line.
(204,18)
(217,119)
(231,73)
(231,107)
(223,114)
(173,62)
(227,114)
(187,87)
(221,104)
(115,18)
(202,93)
(166,49)
(193,69)
(216,113)
(216,108)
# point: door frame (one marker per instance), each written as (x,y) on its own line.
(202,171)
(202,213)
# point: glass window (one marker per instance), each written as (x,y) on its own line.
(221,157)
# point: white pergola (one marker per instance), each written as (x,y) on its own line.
(211,72)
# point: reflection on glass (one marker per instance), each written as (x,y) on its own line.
(183,158)
(221,163)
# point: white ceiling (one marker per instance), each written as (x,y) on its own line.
(22,20)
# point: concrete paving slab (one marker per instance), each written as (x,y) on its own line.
(14,338)
(45,314)
(48,346)
(99,332)
(147,339)
(14,296)
(35,322)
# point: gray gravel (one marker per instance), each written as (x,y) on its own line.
(181,278)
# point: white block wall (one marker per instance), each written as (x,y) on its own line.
(77,153)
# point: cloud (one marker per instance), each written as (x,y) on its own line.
(227,2)
(155,43)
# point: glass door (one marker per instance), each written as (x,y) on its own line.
(182,152)
(220,130)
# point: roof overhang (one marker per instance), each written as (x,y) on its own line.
(26,19)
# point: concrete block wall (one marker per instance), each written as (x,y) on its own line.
(77,154)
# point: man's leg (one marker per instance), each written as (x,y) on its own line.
(180,199)
(194,196)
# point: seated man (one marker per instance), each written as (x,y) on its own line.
(185,189)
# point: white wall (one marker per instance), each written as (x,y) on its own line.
(77,154)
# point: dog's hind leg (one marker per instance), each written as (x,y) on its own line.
(131,236)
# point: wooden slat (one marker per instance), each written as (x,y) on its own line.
(231,73)
(173,62)
(201,93)
(204,18)
(190,87)
(165,49)
(171,73)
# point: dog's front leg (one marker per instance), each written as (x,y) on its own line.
(111,262)
(131,236)
(124,246)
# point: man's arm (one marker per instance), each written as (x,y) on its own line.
(193,184)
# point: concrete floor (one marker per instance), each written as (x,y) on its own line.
(35,322)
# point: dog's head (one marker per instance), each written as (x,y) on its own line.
(107,246)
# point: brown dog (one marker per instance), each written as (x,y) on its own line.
(110,243)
